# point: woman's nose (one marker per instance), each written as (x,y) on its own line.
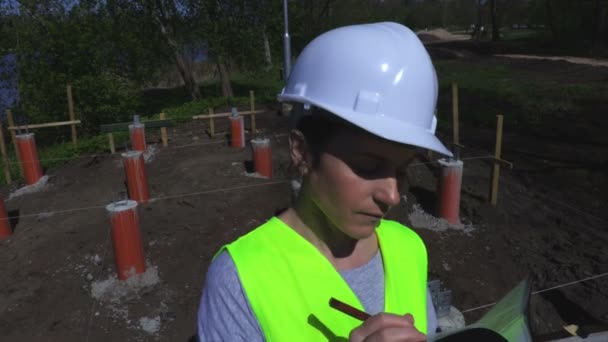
(387,191)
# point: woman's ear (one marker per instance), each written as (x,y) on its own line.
(298,151)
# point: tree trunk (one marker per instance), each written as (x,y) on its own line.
(550,23)
(597,25)
(185,70)
(495,23)
(603,28)
(478,25)
(267,54)
(444,15)
(183,67)
(224,78)
(582,15)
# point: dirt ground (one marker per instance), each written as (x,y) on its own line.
(550,223)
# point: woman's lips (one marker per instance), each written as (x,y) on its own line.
(372,215)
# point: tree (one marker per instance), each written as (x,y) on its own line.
(494,21)
(478,24)
(599,29)
(232,29)
(105,49)
(163,11)
(264,15)
(576,24)
(550,22)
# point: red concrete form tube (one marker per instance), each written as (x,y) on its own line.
(449,190)
(135,171)
(26,146)
(126,239)
(237,129)
(5,226)
(262,157)
(137,133)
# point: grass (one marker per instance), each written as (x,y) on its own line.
(56,155)
(525,100)
(538,41)
(175,103)
(511,34)
(266,86)
(185,111)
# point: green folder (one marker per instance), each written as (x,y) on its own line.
(506,321)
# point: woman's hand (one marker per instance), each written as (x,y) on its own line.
(387,327)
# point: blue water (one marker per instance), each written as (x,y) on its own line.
(9,93)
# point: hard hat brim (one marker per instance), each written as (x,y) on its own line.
(379,125)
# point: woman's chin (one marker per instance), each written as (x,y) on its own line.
(363,230)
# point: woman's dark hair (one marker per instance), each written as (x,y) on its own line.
(318,128)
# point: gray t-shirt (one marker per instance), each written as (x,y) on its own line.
(225,313)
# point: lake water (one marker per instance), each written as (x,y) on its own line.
(8,83)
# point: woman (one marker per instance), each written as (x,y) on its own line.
(364,98)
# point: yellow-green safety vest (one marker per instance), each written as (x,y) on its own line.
(288,282)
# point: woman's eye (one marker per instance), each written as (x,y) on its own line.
(364,168)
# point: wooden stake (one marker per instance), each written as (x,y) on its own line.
(72,115)
(7,170)
(111,142)
(252,105)
(211,124)
(11,124)
(49,124)
(225,115)
(455,122)
(163,132)
(496,167)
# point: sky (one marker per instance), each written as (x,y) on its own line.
(8,88)
(13,5)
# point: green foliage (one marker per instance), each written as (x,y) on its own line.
(14,168)
(308,19)
(105,50)
(155,100)
(104,99)
(527,101)
(189,109)
(265,84)
(111,51)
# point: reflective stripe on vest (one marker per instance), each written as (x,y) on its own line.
(288,282)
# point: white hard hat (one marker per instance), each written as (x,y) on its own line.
(378,77)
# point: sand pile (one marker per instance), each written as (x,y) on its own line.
(423,220)
(440,34)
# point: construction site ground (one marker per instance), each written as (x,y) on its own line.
(58,275)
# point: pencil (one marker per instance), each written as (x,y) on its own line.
(347,309)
